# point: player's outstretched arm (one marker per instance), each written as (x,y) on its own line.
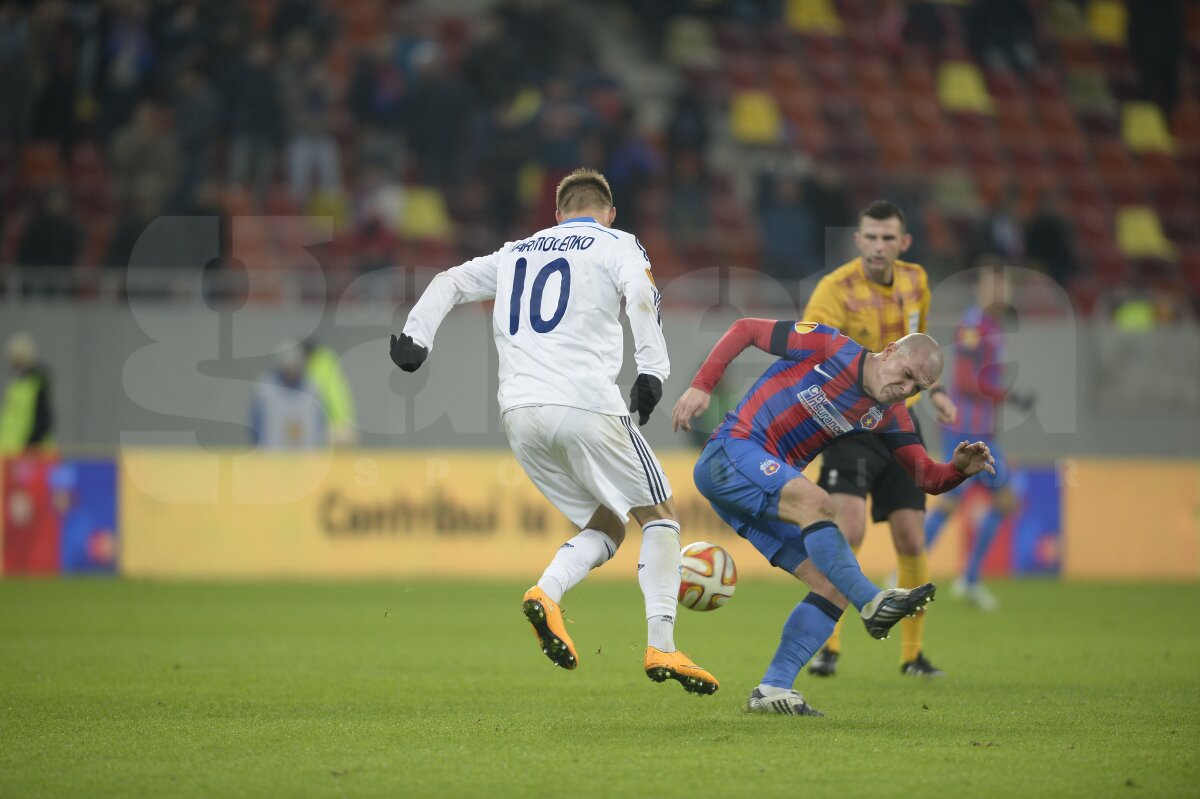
(473,281)
(938,478)
(741,334)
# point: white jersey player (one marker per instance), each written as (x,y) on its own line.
(558,334)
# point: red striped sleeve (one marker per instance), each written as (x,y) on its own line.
(740,335)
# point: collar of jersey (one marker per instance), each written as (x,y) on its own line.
(578,219)
(862,360)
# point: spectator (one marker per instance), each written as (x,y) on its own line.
(1000,232)
(1048,244)
(789,234)
(1000,33)
(687,129)
(437,118)
(688,215)
(1156,43)
(286,411)
(144,149)
(143,207)
(54,111)
(378,88)
(27,417)
(197,114)
(307,100)
(832,213)
(309,17)
(632,165)
(127,61)
(255,121)
(325,374)
(16,72)
(52,236)
(493,67)
(560,126)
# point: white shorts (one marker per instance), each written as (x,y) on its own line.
(581,460)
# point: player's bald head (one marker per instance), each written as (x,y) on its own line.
(923,354)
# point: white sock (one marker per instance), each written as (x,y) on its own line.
(658,575)
(574,560)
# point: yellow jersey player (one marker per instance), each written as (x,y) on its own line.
(875,300)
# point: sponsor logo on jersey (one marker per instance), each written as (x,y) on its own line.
(769,467)
(805,327)
(824,411)
(969,338)
(871,418)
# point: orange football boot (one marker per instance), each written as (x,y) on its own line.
(678,666)
(546,617)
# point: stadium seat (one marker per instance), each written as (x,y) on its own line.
(1107,21)
(690,44)
(1140,234)
(1089,94)
(813,17)
(1144,128)
(961,89)
(425,215)
(755,118)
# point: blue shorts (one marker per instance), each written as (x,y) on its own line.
(992,482)
(742,481)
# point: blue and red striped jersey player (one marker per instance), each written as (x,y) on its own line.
(977,388)
(824,386)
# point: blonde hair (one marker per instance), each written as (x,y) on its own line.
(583,188)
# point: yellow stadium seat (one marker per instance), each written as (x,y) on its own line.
(813,16)
(1134,316)
(530,179)
(425,215)
(1140,235)
(961,88)
(1144,129)
(689,43)
(332,204)
(1107,20)
(755,118)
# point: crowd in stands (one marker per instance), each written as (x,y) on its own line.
(1061,134)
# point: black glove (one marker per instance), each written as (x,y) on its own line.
(408,354)
(1021,400)
(645,394)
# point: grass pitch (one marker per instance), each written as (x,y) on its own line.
(111,688)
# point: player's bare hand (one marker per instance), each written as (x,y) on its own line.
(973,458)
(947,412)
(693,403)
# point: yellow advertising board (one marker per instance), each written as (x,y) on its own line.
(1131,519)
(197,514)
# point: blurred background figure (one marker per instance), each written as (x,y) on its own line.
(286,410)
(27,417)
(979,389)
(325,375)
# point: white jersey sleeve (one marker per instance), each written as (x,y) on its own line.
(631,272)
(473,281)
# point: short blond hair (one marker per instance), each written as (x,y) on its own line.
(583,188)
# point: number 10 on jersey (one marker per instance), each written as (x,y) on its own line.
(539,325)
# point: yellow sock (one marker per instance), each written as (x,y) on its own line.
(834,644)
(911,571)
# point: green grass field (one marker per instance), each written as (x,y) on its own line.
(111,688)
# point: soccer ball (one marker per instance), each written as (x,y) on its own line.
(708,576)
